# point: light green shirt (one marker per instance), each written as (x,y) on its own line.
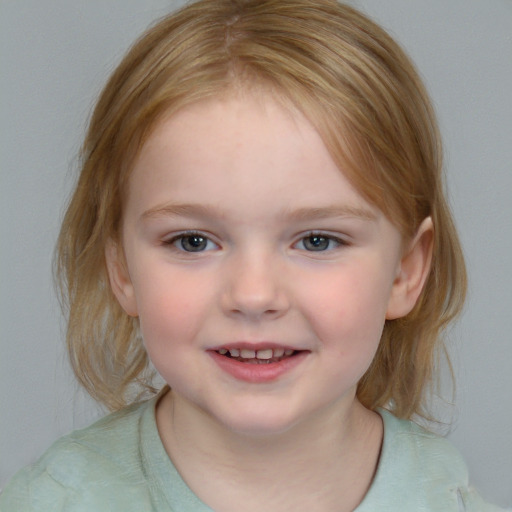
(120,464)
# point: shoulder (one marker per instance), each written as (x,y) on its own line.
(419,470)
(84,469)
(421,452)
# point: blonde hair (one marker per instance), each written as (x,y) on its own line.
(361,92)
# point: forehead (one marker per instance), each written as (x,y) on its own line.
(226,127)
(221,127)
(250,145)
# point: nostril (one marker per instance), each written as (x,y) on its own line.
(253,290)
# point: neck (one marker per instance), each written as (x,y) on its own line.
(320,464)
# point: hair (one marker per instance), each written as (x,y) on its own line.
(364,97)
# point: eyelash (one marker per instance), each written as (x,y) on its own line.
(188,235)
(323,236)
(319,236)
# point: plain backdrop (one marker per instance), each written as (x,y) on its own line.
(55,56)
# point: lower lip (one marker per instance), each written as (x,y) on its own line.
(258,373)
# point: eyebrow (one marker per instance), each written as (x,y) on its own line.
(303,214)
(298,215)
(180,210)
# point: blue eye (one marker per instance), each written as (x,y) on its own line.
(319,242)
(192,242)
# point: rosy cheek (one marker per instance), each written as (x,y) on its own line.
(172,309)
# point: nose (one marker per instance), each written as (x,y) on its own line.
(255,288)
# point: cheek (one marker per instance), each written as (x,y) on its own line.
(347,322)
(348,308)
(172,308)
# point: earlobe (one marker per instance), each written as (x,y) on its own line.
(413,272)
(119,278)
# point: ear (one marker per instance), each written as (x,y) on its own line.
(412,273)
(119,278)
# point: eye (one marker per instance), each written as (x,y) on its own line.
(318,242)
(192,242)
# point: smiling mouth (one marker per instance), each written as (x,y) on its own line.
(262,356)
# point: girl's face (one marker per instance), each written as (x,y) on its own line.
(261,278)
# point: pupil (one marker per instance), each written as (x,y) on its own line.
(193,243)
(316,243)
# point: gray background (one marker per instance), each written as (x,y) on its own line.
(56,54)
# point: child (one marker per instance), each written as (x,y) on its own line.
(260,213)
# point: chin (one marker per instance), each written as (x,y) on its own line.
(259,422)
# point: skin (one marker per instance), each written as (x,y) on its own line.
(254,182)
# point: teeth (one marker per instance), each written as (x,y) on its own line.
(264,354)
(247,354)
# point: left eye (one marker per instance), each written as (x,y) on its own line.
(318,243)
(192,242)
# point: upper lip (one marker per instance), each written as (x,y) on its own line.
(245,345)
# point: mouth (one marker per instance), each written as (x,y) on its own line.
(262,363)
(261,356)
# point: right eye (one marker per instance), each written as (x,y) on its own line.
(320,242)
(192,242)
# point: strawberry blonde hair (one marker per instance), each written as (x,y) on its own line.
(364,97)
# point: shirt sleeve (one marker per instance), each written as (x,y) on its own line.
(39,489)
(33,491)
(470,501)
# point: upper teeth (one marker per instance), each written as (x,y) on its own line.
(266,353)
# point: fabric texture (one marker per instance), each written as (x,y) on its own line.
(120,464)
